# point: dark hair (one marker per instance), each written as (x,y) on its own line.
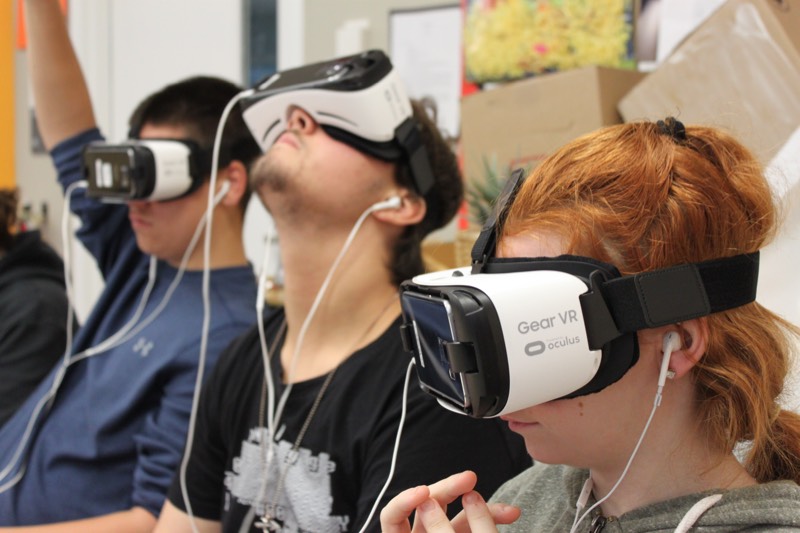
(447,194)
(8,216)
(196,104)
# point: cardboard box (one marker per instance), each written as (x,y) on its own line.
(739,70)
(522,122)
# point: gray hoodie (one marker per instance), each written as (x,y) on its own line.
(547,495)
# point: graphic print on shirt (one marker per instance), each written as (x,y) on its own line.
(305,500)
(143,346)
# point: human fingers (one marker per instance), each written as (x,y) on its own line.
(394,517)
(432,517)
(481,517)
(449,489)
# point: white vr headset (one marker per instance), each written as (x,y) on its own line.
(358,100)
(507,334)
(147,169)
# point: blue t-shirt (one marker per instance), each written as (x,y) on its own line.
(115,433)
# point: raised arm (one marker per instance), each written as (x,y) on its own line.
(62,102)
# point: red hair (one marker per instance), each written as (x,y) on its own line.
(642,199)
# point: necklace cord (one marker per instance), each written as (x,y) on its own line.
(267,455)
(275,417)
(313,310)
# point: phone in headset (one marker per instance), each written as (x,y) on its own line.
(143,169)
(432,320)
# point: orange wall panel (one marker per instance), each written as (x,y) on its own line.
(7,176)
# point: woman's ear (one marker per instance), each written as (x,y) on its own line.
(694,341)
(236,176)
(411,211)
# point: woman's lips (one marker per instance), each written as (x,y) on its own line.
(518,425)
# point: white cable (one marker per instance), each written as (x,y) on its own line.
(274,418)
(46,399)
(209,217)
(624,472)
(396,448)
(66,360)
(265,359)
(132,328)
(59,376)
(586,491)
(125,333)
(262,337)
(66,246)
(320,294)
(669,346)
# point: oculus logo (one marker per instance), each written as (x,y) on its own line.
(534,348)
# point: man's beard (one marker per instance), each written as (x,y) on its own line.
(268,174)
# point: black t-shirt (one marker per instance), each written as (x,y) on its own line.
(344,458)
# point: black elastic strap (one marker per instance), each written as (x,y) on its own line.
(385,151)
(486,243)
(407,144)
(683,292)
(408,137)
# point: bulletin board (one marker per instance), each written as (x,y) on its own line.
(425,47)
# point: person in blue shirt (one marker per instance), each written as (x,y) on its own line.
(99,456)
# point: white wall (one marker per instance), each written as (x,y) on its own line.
(128,49)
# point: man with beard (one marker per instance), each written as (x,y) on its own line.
(306,443)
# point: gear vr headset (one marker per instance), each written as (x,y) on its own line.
(358,100)
(144,169)
(510,333)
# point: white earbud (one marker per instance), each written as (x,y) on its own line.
(672,342)
(392,203)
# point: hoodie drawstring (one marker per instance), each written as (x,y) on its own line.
(696,511)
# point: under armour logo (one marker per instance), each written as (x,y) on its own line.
(143,346)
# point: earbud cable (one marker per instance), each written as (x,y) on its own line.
(125,333)
(395,451)
(656,403)
(274,417)
(214,198)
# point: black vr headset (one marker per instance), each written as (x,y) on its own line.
(511,333)
(144,169)
(358,100)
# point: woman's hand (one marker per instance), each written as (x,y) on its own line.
(430,503)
